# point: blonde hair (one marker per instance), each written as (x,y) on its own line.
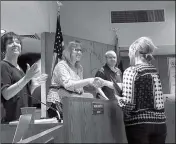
(144,47)
(66,55)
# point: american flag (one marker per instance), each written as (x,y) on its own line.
(59,43)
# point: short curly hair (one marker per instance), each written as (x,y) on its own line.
(6,37)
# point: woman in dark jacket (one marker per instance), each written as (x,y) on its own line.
(15,87)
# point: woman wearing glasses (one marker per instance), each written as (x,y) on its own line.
(67,79)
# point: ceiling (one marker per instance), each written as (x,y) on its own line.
(30,17)
(24,17)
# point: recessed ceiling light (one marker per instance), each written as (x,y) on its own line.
(3,31)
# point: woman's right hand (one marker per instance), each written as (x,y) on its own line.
(96,82)
(99,82)
(31,71)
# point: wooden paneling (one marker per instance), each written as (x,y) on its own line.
(82,127)
(93,54)
(87,46)
(97,57)
(8,131)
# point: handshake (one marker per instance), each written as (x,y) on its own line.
(97,82)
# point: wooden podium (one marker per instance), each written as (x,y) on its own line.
(89,120)
(86,120)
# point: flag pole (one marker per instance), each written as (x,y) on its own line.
(117,49)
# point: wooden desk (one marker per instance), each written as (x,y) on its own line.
(81,126)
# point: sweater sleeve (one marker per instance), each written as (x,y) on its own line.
(127,101)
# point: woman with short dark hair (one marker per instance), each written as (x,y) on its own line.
(15,87)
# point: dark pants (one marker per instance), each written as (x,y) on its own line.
(146,134)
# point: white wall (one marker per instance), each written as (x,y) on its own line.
(29,17)
(88,20)
(91,20)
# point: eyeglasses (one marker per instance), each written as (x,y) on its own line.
(13,40)
(77,50)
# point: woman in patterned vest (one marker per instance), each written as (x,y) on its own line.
(142,98)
